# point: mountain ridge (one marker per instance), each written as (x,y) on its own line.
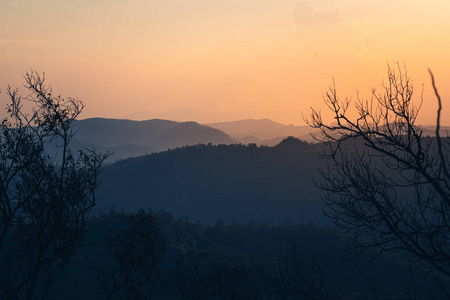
(210,182)
(129,138)
(264,130)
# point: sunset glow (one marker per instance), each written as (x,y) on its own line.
(218,60)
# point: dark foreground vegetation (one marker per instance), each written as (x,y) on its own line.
(153,255)
(386,185)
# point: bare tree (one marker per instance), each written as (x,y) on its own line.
(297,275)
(385,182)
(196,275)
(45,199)
(138,249)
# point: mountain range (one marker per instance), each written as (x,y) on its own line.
(263,132)
(127,138)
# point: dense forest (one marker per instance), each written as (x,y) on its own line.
(231,182)
(172,258)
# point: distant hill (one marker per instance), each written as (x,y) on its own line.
(269,133)
(128,138)
(430,130)
(208,182)
(262,132)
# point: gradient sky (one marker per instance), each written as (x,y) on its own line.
(220,60)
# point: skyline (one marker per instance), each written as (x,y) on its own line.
(223,60)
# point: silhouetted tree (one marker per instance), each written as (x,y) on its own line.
(297,275)
(387,183)
(195,275)
(138,248)
(45,198)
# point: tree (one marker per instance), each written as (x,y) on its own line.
(45,198)
(386,182)
(138,249)
(297,275)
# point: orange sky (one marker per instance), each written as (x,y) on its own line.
(217,60)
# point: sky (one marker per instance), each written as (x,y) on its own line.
(223,60)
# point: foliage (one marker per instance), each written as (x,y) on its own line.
(44,199)
(138,248)
(197,275)
(224,262)
(208,182)
(298,275)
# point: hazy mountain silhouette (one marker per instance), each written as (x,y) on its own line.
(430,130)
(118,152)
(128,138)
(208,182)
(262,132)
(190,133)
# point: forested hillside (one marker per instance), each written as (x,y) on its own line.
(231,182)
(186,260)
